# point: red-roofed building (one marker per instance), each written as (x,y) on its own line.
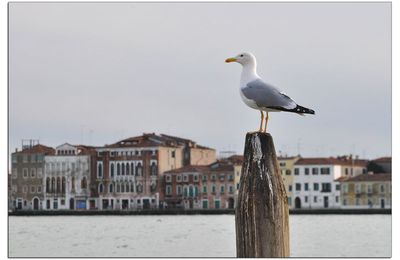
(27,168)
(129,173)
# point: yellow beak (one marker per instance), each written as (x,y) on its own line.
(230,60)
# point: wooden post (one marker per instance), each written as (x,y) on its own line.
(262,214)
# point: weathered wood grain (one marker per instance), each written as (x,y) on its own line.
(262,214)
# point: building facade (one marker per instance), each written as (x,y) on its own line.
(66,179)
(129,173)
(367,191)
(201,187)
(27,168)
(315,182)
(286,167)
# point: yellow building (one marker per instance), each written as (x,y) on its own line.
(286,166)
(366,191)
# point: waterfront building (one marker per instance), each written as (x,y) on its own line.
(367,191)
(27,168)
(67,178)
(286,167)
(314,180)
(129,173)
(201,187)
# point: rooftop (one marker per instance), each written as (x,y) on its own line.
(369,177)
(39,148)
(332,161)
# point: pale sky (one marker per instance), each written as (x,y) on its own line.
(99,72)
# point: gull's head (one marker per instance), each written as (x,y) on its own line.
(244,58)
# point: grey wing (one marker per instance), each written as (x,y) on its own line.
(266,95)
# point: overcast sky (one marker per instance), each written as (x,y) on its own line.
(95,73)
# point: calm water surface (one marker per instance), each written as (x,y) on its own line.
(190,235)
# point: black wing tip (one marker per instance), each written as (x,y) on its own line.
(303,110)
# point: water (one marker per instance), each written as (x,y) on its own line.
(190,236)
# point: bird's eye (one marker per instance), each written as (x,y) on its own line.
(241,55)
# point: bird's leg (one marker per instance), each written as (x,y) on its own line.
(266,122)
(262,118)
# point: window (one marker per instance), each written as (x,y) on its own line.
(123,168)
(101,188)
(185,177)
(213,189)
(237,186)
(153,169)
(63,202)
(296,171)
(178,178)
(222,189)
(118,169)
(357,201)
(196,178)
(230,189)
(100,170)
(369,188)
(118,187)
(63,185)
(25,172)
(325,171)
(33,172)
(290,187)
(315,171)
(25,158)
(173,154)
(204,189)
(289,200)
(14,158)
(168,190)
(230,177)
(33,189)
(185,191)
(382,188)
(306,199)
(316,186)
(213,177)
(83,183)
(282,164)
(204,178)
(39,189)
(337,186)
(307,171)
(326,187)
(179,189)
(298,186)
(344,202)
(337,199)
(111,188)
(305,186)
(25,189)
(346,171)
(48,189)
(55,204)
(315,199)
(112,170)
(139,169)
(288,172)
(168,178)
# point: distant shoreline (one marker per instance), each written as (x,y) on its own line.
(190,212)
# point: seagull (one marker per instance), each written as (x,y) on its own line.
(259,95)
